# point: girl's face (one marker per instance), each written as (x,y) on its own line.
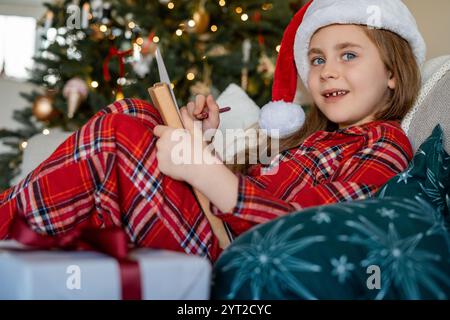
(348,80)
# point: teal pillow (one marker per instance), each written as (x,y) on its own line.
(427,176)
(333,252)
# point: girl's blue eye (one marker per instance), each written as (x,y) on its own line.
(349,56)
(317,61)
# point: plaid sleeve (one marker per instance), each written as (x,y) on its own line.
(363,173)
(358,177)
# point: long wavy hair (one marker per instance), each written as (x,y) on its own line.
(398,57)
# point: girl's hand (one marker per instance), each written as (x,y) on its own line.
(204,105)
(180,151)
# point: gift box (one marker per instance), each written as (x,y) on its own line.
(82,275)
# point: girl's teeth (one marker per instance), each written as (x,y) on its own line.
(335,94)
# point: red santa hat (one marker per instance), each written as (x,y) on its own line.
(281,113)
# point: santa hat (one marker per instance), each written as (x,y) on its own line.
(292,59)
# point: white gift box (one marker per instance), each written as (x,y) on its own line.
(83,275)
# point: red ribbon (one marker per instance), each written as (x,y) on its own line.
(146,46)
(113,52)
(257,19)
(111,241)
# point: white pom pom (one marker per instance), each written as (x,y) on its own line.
(283,117)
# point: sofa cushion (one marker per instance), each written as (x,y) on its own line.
(391,248)
(432,105)
(427,176)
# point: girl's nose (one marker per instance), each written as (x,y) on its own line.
(329,71)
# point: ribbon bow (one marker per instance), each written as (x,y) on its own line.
(111,241)
(114,52)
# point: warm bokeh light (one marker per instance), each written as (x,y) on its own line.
(190,76)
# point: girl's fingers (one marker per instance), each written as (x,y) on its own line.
(186,118)
(190,108)
(200,101)
(213,107)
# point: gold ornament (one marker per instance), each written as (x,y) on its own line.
(96,34)
(43,108)
(119,95)
(201,18)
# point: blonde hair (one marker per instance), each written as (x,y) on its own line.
(398,57)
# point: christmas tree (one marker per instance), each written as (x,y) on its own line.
(95,52)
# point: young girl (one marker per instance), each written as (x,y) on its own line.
(117,169)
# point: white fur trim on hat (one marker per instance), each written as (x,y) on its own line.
(391,15)
(284,118)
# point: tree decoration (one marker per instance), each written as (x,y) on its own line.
(43,108)
(100,54)
(75,91)
(201,18)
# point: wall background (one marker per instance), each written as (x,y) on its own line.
(433,18)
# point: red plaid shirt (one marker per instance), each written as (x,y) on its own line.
(328,167)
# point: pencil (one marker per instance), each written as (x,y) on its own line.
(204,115)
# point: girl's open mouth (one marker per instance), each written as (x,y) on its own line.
(334,95)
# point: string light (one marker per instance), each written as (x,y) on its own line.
(23,145)
(238,10)
(244,17)
(103,28)
(222,3)
(170,5)
(155,39)
(191,23)
(179,32)
(139,41)
(172,85)
(45,132)
(94,84)
(213,28)
(190,76)
(278,48)
(267,6)
(131,25)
